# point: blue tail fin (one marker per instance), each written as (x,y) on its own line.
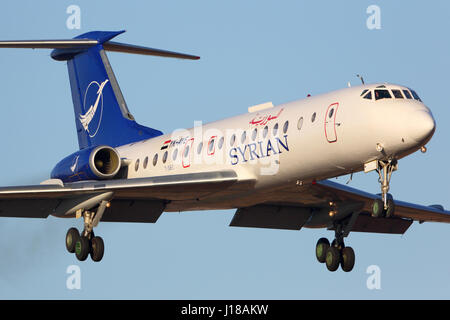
(101,114)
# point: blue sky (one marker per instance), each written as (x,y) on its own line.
(251,52)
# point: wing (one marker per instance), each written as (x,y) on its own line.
(132,200)
(416,212)
(292,207)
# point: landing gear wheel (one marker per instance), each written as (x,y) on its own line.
(321,249)
(72,236)
(347,259)
(333,258)
(82,248)
(377,208)
(390,208)
(97,249)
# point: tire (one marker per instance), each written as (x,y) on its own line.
(347,259)
(82,248)
(97,249)
(72,236)
(377,208)
(333,259)
(391,208)
(321,249)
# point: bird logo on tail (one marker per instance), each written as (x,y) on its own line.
(87,118)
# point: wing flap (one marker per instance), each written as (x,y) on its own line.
(271,217)
(365,223)
(147,211)
(28,208)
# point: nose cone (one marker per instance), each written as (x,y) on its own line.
(421,126)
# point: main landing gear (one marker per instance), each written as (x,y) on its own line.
(335,254)
(87,243)
(385,206)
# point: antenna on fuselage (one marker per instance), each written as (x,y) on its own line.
(360,78)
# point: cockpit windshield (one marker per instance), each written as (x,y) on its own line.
(383,92)
(407,94)
(368,95)
(415,95)
(397,94)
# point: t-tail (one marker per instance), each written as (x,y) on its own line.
(101,114)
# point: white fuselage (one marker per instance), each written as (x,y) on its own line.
(315,138)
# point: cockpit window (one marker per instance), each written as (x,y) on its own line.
(382,94)
(415,95)
(368,95)
(397,94)
(362,93)
(407,94)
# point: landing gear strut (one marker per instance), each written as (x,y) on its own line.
(384,207)
(337,253)
(87,243)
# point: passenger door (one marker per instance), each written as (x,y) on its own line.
(330,122)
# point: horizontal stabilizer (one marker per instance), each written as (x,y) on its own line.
(128,48)
(50,44)
(78,45)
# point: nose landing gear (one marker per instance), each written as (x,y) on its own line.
(385,206)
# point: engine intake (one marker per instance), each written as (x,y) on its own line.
(96,163)
(104,162)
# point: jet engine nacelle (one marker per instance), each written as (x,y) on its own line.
(96,163)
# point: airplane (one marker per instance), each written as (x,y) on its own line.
(270,164)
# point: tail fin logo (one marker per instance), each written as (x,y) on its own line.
(74,165)
(94,93)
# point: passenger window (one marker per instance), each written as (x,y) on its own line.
(164,159)
(155,159)
(382,94)
(136,165)
(397,94)
(300,123)
(220,143)
(254,133)
(407,94)
(243,137)
(313,117)
(265,131)
(285,126)
(275,129)
(415,95)
(232,140)
(199,148)
(145,162)
(174,154)
(211,145)
(368,95)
